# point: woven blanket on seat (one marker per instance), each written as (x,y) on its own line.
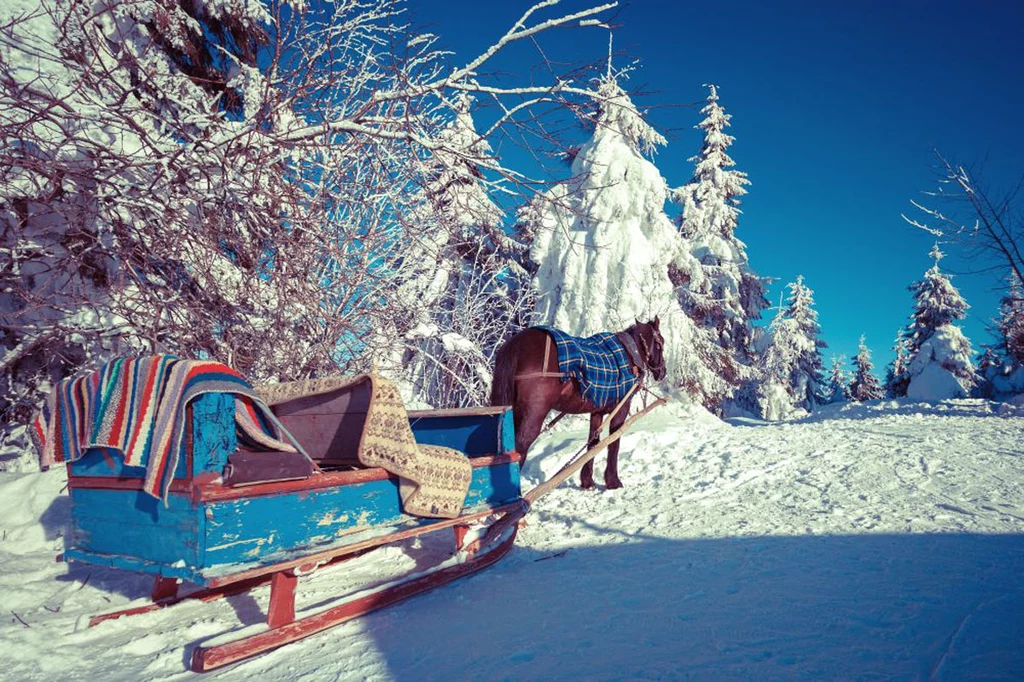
(137,406)
(599,363)
(433,480)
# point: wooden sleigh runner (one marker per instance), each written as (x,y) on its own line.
(234,519)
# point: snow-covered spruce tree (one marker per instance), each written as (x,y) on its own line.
(463,299)
(1011,323)
(1002,366)
(807,379)
(838,389)
(728,296)
(774,391)
(603,245)
(865,385)
(940,355)
(896,379)
(791,381)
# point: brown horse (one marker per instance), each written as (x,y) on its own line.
(526,376)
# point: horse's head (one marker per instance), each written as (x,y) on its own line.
(652,346)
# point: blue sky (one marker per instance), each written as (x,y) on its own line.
(836,108)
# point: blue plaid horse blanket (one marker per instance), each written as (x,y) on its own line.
(599,363)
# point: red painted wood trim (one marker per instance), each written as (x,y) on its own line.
(355,547)
(282,599)
(459,412)
(164,588)
(208,658)
(460,535)
(212,490)
(180,485)
(204,595)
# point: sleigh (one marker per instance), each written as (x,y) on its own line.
(235,519)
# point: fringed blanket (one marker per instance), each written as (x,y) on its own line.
(137,406)
(433,480)
(599,363)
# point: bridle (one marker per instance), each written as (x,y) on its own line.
(641,352)
(646,352)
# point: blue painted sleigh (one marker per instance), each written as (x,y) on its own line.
(225,534)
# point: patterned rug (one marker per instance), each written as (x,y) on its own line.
(599,363)
(137,406)
(433,480)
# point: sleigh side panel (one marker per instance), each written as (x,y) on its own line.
(273,521)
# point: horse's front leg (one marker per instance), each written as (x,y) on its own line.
(587,474)
(611,471)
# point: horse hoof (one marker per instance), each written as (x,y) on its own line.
(586,485)
(612,485)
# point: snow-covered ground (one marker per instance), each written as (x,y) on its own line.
(877,542)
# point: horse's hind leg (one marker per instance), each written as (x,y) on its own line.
(611,470)
(587,473)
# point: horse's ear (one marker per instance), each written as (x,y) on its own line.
(637,321)
(656,323)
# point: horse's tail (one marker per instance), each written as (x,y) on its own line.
(503,386)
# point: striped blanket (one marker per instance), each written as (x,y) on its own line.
(599,363)
(137,406)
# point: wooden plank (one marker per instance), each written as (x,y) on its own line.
(179,487)
(345,550)
(202,595)
(214,491)
(474,435)
(250,530)
(459,411)
(134,524)
(208,658)
(281,610)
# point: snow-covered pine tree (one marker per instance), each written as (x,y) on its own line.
(940,355)
(1002,366)
(791,381)
(728,296)
(1011,323)
(773,392)
(838,390)
(896,378)
(864,385)
(807,380)
(603,245)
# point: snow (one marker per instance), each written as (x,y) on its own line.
(937,369)
(877,540)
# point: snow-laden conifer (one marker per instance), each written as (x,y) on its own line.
(940,355)
(838,388)
(603,245)
(807,379)
(896,378)
(865,385)
(774,391)
(1002,366)
(729,296)
(1011,322)
(791,380)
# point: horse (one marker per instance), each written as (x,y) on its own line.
(526,376)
